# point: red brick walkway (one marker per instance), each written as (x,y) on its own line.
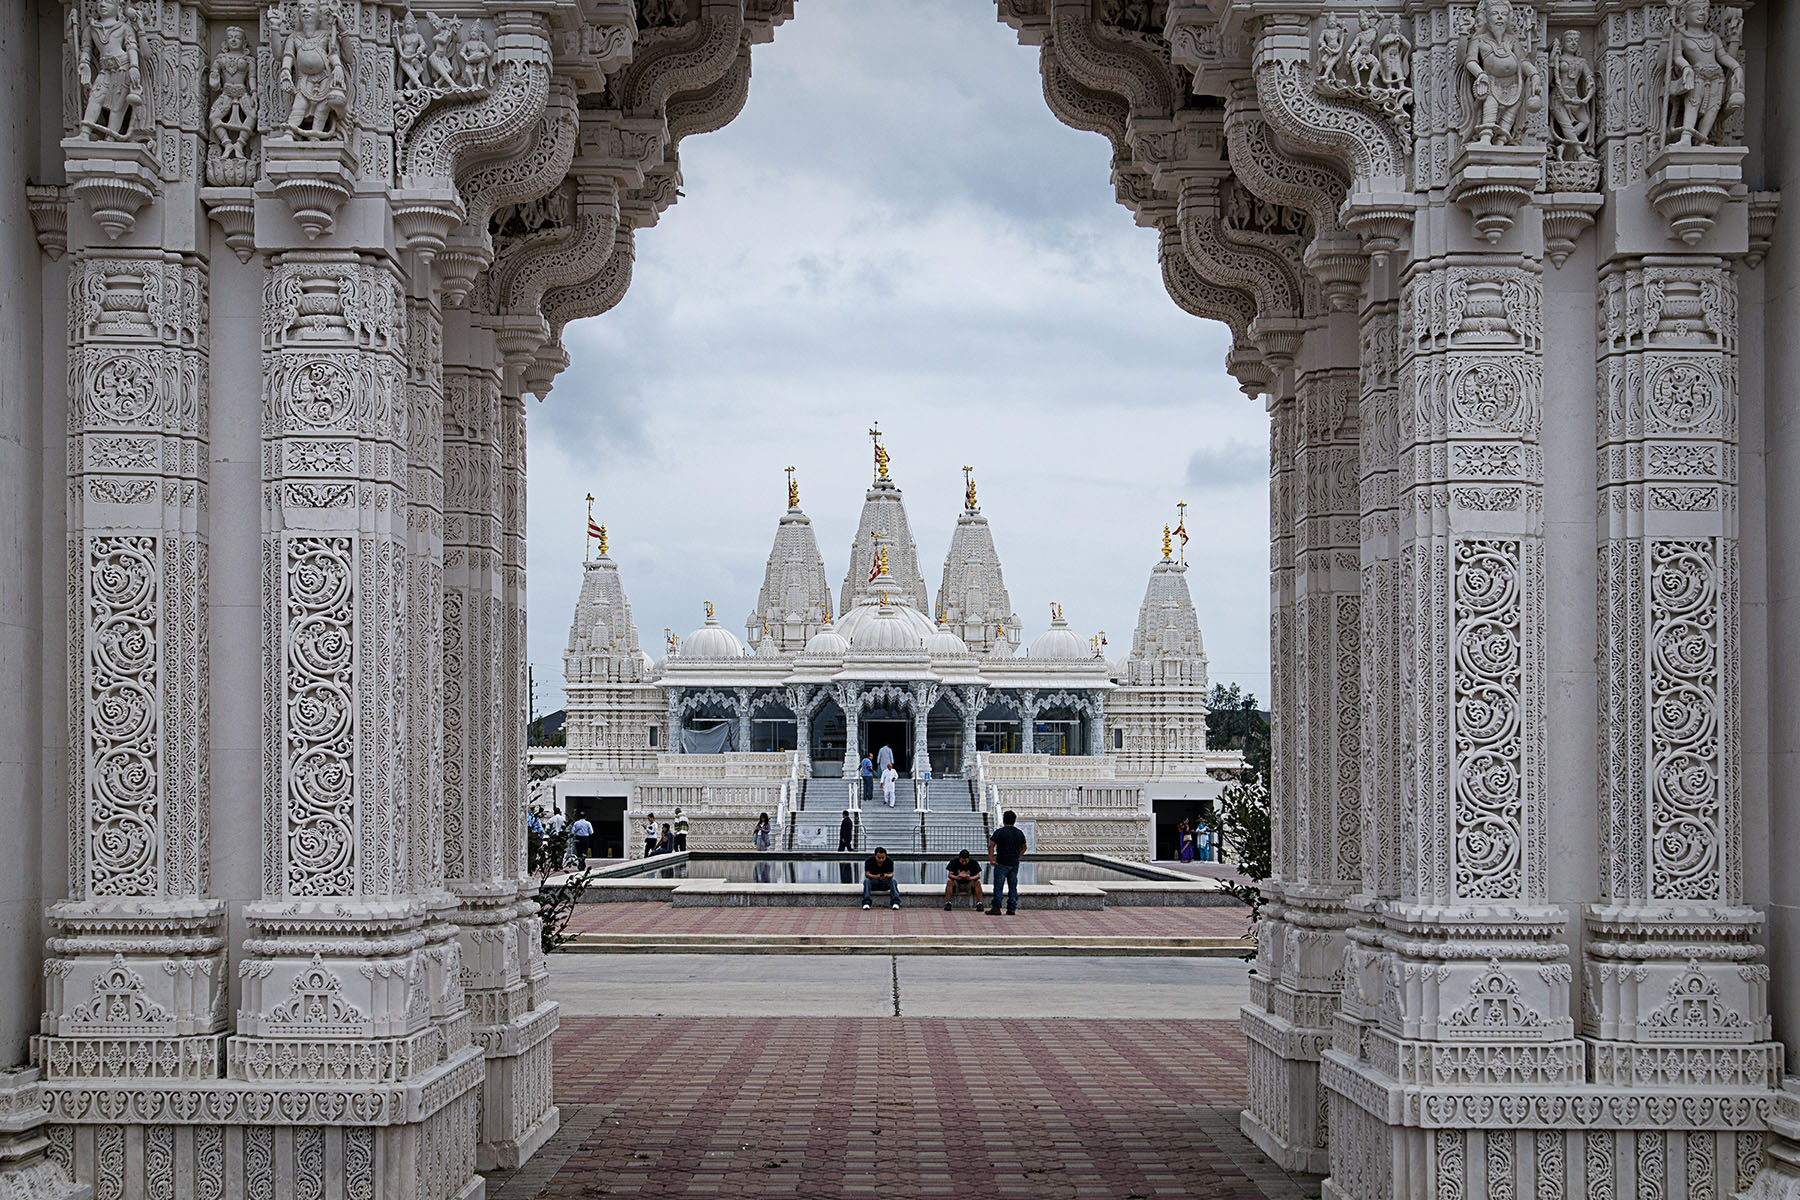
(768,1106)
(917,918)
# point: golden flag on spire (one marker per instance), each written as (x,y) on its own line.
(881,454)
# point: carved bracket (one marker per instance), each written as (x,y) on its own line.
(114,180)
(1688,185)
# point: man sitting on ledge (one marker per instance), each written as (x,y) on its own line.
(879,872)
(961,875)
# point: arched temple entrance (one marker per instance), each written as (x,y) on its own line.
(1533,544)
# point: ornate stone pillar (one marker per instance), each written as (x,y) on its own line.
(924,698)
(336,972)
(425,795)
(1027,705)
(1674,991)
(849,698)
(742,700)
(971,705)
(135,972)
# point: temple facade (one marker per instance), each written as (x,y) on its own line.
(1513,282)
(1081,746)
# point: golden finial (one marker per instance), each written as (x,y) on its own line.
(881,454)
(1168,547)
(969,488)
(603,541)
(709,609)
(767,632)
(793,489)
(884,598)
(1055,611)
(669,639)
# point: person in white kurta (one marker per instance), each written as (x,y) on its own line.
(888,778)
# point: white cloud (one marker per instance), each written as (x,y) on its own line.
(897,229)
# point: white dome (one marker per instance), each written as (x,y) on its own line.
(889,631)
(711,640)
(1059,643)
(856,622)
(944,642)
(827,643)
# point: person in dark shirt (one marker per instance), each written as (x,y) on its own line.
(846,832)
(962,873)
(879,872)
(1006,846)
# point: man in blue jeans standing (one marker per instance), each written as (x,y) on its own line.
(1006,846)
(868,778)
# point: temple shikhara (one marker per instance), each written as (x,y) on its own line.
(1080,746)
(1513,282)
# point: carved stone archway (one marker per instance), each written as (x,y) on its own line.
(1508,327)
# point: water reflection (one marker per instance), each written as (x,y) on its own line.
(773,870)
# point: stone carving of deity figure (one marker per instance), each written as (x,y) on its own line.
(1331,54)
(1705,81)
(445,32)
(232,117)
(1571,99)
(1363,63)
(476,58)
(1393,61)
(312,69)
(109,69)
(1503,80)
(409,45)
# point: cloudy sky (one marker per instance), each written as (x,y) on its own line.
(896,229)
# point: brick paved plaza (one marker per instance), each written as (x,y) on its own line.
(774,1075)
(784,1106)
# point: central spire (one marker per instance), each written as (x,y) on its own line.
(884,540)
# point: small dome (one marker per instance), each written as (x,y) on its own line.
(711,640)
(1059,643)
(944,642)
(827,643)
(888,632)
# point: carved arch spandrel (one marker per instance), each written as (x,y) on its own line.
(530,168)
(551,258)
(1270,172)
(1267,276)
(1125,69)
(684,61)
(714,106)
(446,134)
(589,298)
(1081,107)
(1361,141)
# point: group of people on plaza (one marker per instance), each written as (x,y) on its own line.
(1194,841)
(1005,850)
(671,838)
